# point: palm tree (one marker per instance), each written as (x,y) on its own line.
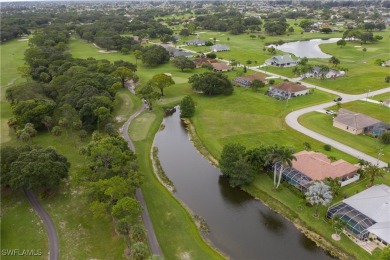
(373,171)
(285,156)
(319,193)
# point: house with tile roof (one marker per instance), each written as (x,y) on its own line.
(312,166)
(282,61)
(367,214)
(246,81)
(356,123)
(287,90)
(220,66)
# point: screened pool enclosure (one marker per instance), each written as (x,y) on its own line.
(294,177)
(357,222)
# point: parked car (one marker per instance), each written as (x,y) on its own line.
(337,99)
(330,112)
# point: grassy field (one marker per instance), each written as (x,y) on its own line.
(381,97)
(21,227)
(252,119)
(363,74)
(12,54)
(177,234)
(244,48)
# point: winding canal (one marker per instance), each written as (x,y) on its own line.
(240,226)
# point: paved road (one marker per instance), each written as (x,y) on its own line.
(54,248)
(152,239)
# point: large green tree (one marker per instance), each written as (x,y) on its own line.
(127,208)
(235,165)
(155,55)
(187,107)
(149,94)
(35,168)
(182,63)
(123,74)
(211,83)
(161,81)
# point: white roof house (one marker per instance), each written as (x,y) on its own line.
(282,61)
(367,213)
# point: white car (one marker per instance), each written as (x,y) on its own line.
(330,112)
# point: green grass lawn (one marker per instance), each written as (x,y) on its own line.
(252,119)
(125,104)
(322,124)
(12,57)
(177,234)
(244,48)
(363,74)
(381,97)
(21,227)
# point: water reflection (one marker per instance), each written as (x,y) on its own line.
(272,222)
(231,214)
(308,243)
(308,49)
(228,193)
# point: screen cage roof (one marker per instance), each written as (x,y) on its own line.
(358,223)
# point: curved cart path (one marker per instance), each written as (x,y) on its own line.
(152,239)
(54,248)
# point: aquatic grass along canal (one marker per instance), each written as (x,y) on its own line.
(239,226)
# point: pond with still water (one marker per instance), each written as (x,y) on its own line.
(240,226)
(308,49)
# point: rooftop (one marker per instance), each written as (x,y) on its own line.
(317,166)
(355,120)
(373,202)
(290,87)
(283,58)
(258,76)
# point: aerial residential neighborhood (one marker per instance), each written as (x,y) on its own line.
(195,129)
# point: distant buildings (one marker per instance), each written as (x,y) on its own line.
(282,61)
(323,72)
(219,47)
(246,81)
(287,90)
(196,42)
(221,67)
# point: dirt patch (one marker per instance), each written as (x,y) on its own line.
(107,52)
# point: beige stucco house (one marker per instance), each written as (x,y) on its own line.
(355,123)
